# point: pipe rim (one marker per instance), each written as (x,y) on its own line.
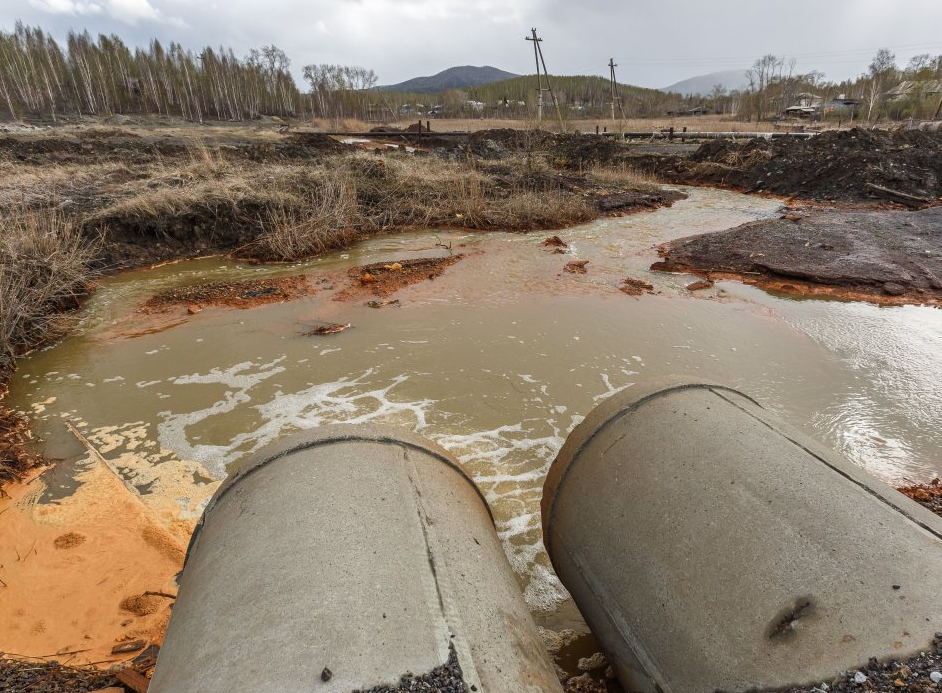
(332,434)
(615,407)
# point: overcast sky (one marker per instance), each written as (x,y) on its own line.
(654,43)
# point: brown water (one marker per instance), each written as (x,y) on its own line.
(497,361)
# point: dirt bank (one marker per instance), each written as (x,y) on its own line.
(884,257)
(845,166)
(153,195)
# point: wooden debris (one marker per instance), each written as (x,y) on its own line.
(132,646)
(157,593)
(98,457)
(380,304)
(326,328)
(134,680)
(898,196)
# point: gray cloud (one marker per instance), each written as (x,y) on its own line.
(654,43)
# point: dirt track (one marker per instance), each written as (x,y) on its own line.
(885,257)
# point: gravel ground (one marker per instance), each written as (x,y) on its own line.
(446,678)
(50,677)
(914,675)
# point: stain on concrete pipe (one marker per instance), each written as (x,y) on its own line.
(342,560)
(712,547)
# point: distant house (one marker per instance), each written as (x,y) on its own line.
(807,105)
(695,111)
(840,105)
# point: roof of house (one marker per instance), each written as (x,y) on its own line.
(916,86)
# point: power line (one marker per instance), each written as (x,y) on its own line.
(538,53)
(843,53)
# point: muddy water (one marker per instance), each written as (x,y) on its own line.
(496,360)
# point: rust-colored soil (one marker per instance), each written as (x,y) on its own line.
(75,572)
(242,294)
(929,495)
(15,455)
(635,287)
(385,278)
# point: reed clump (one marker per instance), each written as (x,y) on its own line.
(44,267)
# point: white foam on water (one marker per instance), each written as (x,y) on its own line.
(611,389)
(347,400)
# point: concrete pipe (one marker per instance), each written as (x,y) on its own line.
(342,560)
(711,547)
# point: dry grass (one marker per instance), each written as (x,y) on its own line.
(624,175)
(44,261)
(291,210)
(692,123)
(325,219)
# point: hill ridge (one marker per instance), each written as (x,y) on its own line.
(457,77)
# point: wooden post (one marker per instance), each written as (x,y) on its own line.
(428,125)
(683,138)
(670,133)
(596,129)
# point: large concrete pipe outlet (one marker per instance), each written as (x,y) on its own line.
(711,547)
(343,560)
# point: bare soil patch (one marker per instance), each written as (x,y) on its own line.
(885,257)
(928,495)
(382,279)
(240,294)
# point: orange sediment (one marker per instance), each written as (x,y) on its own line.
(76,572)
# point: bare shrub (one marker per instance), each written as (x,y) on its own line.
(325,219)
(43,268)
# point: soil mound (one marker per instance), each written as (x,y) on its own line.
(839,165)
(882,256)
(568,151)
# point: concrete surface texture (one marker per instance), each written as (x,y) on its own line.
(362,550)
(711,547)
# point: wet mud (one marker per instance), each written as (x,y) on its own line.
(116,552)
(890,258)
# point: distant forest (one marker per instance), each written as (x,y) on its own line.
(40,79)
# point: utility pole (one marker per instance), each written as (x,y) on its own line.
(538,52)
(615,97)
(539,79)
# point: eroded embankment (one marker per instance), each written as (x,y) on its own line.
(885,257)
(853,166)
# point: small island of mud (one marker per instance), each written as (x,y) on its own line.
(885,257)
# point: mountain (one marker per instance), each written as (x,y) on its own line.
(452,78)
(703,84)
